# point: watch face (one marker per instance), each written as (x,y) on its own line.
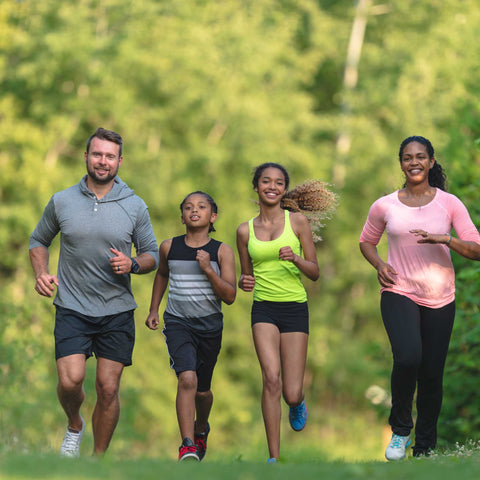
(135,266)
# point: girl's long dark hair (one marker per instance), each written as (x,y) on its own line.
(436,175)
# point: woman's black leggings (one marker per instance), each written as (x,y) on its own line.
(419,337)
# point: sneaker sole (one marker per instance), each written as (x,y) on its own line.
(189,456)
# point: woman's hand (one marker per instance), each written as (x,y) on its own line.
(431,237)
(386,275)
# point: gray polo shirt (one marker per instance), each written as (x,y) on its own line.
(88,228)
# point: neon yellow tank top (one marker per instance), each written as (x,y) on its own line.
(275,280)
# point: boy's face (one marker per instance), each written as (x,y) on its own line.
(197,212)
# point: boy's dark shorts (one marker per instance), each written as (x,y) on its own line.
(111,337)
(191,350)
(287,316)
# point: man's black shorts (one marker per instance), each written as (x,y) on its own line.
(111,337)
(191,350)
(287,316)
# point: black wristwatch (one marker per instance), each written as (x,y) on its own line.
(135,266)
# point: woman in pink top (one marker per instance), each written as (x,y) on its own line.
(418,288)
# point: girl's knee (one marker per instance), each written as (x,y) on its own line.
(293,397)
(272,383)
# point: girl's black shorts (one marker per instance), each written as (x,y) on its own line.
(287,316)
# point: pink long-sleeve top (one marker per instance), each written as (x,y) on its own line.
(425,271)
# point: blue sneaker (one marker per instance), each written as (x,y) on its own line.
(298,416)
(271,460)
(396,448)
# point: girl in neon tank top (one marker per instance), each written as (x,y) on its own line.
(270,248)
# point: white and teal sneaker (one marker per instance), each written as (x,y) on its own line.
(396,448)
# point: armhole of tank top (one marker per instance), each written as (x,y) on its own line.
(291,228)
(170,249)
(288,223)
(216,245)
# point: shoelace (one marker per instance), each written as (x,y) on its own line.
(397,441)
(70,442)
(190,449)
(297,412)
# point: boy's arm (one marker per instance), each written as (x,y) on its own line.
(159,285)
(224,284)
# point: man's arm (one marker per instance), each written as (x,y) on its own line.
(41,238)
(45,283)
(145,244)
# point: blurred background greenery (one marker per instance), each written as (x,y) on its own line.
(202,91)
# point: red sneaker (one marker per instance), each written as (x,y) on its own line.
(188,451)
(200,440)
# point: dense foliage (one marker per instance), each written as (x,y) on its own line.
(202,92)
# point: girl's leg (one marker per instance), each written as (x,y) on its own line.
(293,351)
(266,337)
(437,327)
(186,391)
(401,318)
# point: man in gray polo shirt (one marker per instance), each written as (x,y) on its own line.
(99,219)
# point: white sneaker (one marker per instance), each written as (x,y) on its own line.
(71,442)
(396,447)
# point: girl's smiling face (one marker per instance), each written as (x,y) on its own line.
(271,186)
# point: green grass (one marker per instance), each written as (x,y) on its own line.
(20,467)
